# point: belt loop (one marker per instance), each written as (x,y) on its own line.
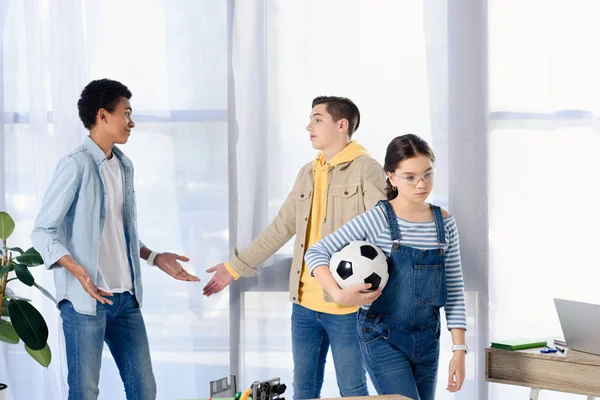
(361,316)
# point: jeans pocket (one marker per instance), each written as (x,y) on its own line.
(374,341)
(427,283)
(435,331)
(64,306)
(371,334)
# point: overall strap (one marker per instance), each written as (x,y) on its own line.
(439,225)
(392,220)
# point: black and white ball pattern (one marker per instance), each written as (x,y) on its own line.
(357,263)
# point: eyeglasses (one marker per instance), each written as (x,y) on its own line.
(414,179)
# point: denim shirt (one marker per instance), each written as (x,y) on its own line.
(71,221)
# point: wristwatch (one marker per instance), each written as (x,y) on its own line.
(460,347)
(151,258)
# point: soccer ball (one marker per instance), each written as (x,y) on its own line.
(357,263)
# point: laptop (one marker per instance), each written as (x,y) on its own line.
(580,324)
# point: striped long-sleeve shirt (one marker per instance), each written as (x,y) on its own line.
(372,227)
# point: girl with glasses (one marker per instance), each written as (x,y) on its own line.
(399,332)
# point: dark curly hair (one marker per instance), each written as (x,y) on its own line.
(400,149)
(101,93)
(341,107)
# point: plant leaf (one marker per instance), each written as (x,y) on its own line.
(10,293)
(7,225)
(8,333)
(30,259)
(16,249)
(29,324)
(10,266)
(24,275)
(4,270)
(43,356)
(5,308)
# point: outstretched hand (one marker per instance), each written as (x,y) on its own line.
(169,263)
(219,281)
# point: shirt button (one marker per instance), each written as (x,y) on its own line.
(301,245)
(293,298)
(301,195)
(298,271)
(306,218)
(346,193)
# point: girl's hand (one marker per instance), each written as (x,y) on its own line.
(356,295)
(456,375)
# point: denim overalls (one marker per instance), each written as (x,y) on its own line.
(399,333)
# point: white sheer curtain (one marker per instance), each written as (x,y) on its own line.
(221,94)
(33,117)
(391,59)
(544,147)
(172,56)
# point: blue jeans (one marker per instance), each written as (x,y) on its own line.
(122,327)
(400,361)
(312,334)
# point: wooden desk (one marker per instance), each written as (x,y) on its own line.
(570,372)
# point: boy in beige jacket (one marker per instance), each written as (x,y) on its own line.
(342,182)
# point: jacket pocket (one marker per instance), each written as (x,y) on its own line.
(303,193)
(428,280)
(345,200)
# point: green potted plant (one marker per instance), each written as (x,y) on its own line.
(19,319)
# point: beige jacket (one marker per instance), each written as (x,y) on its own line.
(353,188)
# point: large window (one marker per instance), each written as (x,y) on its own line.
(544,148)
(172,56)
(182,64)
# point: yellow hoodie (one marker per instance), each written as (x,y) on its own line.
(311,292)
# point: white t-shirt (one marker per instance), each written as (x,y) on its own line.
(113,264)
